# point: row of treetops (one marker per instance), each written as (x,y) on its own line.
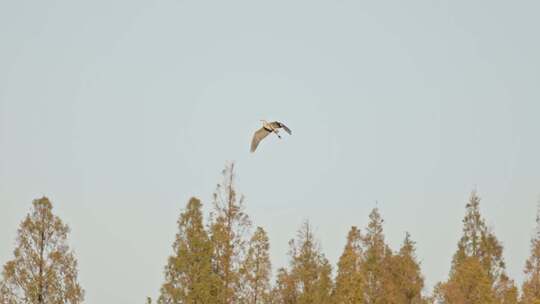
(226,261)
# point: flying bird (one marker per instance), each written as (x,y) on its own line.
(267,128)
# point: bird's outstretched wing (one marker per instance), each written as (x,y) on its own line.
(277,124)
(257,137)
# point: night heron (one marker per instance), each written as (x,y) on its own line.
(267,128)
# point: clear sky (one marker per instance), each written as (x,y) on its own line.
(119,111)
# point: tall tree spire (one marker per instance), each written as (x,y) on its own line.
(349,287)
(189,277)
(309,278)
(376,261)
(44,269)
(478,247)
(407,277)
(256,270)
(229,231)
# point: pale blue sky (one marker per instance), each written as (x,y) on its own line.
(119,111)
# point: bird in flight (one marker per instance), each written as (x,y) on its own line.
(267,128)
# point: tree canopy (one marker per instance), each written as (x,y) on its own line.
(44,269)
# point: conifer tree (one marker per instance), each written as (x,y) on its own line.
(469,283)
(376,263)
(284,291)
(44,269)
(189,277)
(228,234)
(531,285)
(478,247)
(309,279)
(349,287)
(256,270)
(406,275)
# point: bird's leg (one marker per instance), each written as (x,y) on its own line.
(277,133)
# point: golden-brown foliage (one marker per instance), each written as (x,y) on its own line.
(531,285)
(309,279)
(379,287)
(349,287)
(469,283)
(256,270)
(228,232)
(189,277)
(44,269)
(406,275)
(478,268)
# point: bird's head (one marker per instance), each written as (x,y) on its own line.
(263,121)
